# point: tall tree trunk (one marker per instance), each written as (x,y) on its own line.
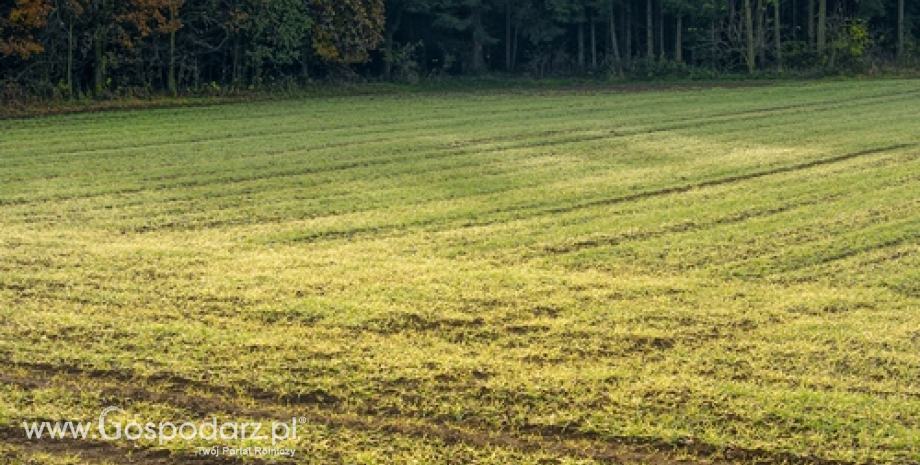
(388,44)
(171,77)
(514,48)
(98,61)
(593,41)
(678,39)
(628,35)
(305,62)
(661,44)
(778,35)
(712,38)
(477,32)
(581,46)
(256,68)
(811,23)
(749,36)
(142,70)
(508,37)
(614,47)
(713,34)
(649,32)
(237,66)
(822,26)
(761,33)
(70,88)
(901,30)
(388,55)
(733,11)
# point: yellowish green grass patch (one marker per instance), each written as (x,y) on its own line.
(722,275)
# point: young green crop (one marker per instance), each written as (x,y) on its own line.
(554,277)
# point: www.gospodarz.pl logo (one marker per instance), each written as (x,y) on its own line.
(164,431)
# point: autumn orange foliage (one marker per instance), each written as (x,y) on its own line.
(18,22)
(154,15)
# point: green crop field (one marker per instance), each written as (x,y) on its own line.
(708,275)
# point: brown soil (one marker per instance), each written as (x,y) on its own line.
(99,451)
(317,409)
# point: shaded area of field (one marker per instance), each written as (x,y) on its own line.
(705,275)
(36,109)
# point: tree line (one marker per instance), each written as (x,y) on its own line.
(98,47)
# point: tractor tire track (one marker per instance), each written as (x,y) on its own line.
(94,451)
(446,151)
(555,440)
(450,109)
(522,212)
(731,179)
(451,122)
